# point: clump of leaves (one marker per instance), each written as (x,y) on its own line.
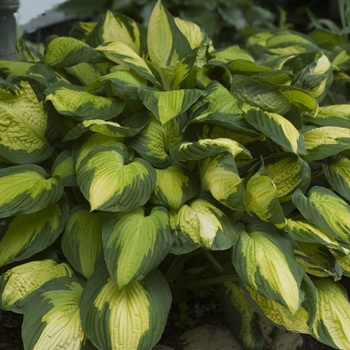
(130,152)
(225,21)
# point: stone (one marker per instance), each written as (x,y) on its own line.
(209,337)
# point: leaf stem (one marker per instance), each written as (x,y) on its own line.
(217,266)
(205,282)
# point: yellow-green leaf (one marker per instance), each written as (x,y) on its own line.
(130,318)
(135,243)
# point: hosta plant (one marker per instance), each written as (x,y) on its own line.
(133,153)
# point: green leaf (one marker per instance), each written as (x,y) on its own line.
(84,145)
(24,125)
(166,105)
(207,147)
(10,68)
(174,186)
(317,260)
(194,34)
(264,260)
(201,224)
(220,176)
(242,318)
(332,323)
(118,28)
(334,115)
(288,42)
(262,198)
(258,94)
(151,144)
(166,44)
(127,127)
(304,231)
(288,172)
(141,306)
(299,321)
(337,173)
(322,142)
(63,167)
(66,52)
(217,99)
(121,53)
(125,82)
(86,73)
(82,240)
(322,207)
(229,54)
(73,101)
(111,183)
(27,234)
(17,283)
(276,127)
(135,243)
(27,189)
(51,319)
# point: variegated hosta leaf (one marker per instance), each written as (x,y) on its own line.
(26,189)
(315,75)
(166,43)
(219,176)
(264,260)
(82,240)
(118,28)
(201,224)
(242,318)
(306,103)
(332,323)
(262,198)
(66,52)
(24,125)
(121,53)
(300,321)
(126,128)
(337,173)
(206,148)
(333,115)
(218,99)
(260,95)
(86,73)
(85,144)
(286,42)
(304,231)
(63,167)
(125,82)
(230,53)
(194,34)
(344,261)
(25,235)
(325,209)
(174,186)
(166,105)
(276,127)
(288,172)
(10,68)
(151,144)
(52,318)
(135,243)
(131,318)
(73,101)
(317,260)
(17,283)
(111,183)
(322,142)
